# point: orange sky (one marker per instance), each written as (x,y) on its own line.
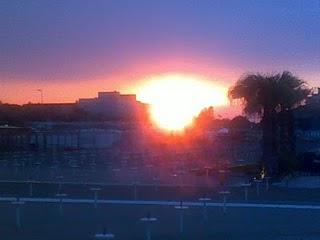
(128,81)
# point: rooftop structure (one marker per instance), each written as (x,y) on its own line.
(112,104)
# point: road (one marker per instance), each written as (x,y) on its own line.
(41,219)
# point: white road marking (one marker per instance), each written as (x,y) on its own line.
(161,203)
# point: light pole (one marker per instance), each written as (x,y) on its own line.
(16,168)
(207,169)
(181,209)
(156,181)
(205,200)
(30,188)
(135,190)
(41,95)
(37,168)
(224,203)
(223,173)
(18,204)
(74,167)
(245,187)
(258,182)
(148,221)
(149,170)
(61,196)
(115,174)
(267,182)
(95,190)
(135,182)
(60,179)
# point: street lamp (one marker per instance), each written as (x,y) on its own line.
(18,204)
(245,187)
(135,182)
(148,221)
(30,188)
(224,194)
(61,196)
(156,182)
(135,189)
(116,174)
(258,182)
(181,209)
(267,182)
(60,179)
(223,173)
(41,95)
(205,200)
(95,190)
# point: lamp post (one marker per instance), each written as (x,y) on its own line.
(60,179)
(135,189)
(135,182)
(53,170)
(258,182)
(116,173)
(74,167)
(267,182)
(245,188)
(223,173)
(148,221)
(149,169)
(224,203)
(204,200)
(181,209)
(207,170)
(156,181)
(61,196)
(41,95)
(37,168)
(95,195)
(18,205)
(179,177)
(16,168)
(30,188)
(93,166)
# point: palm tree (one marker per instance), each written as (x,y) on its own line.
(269,96)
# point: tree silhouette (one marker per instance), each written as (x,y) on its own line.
(272,97)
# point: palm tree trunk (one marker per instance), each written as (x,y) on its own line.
(287,142)
(269,143)
(291,132)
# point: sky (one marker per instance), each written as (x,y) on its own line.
(75,48)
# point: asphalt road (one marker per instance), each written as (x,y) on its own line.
(41,221)
(158,192)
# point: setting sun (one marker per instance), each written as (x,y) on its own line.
(175,99)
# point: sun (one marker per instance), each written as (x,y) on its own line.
(175,99)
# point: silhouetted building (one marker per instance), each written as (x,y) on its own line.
(14,138)
(108,106)
(113,105)
(307,123)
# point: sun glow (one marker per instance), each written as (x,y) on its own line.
(175,99)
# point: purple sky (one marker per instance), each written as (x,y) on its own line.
(112,44)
